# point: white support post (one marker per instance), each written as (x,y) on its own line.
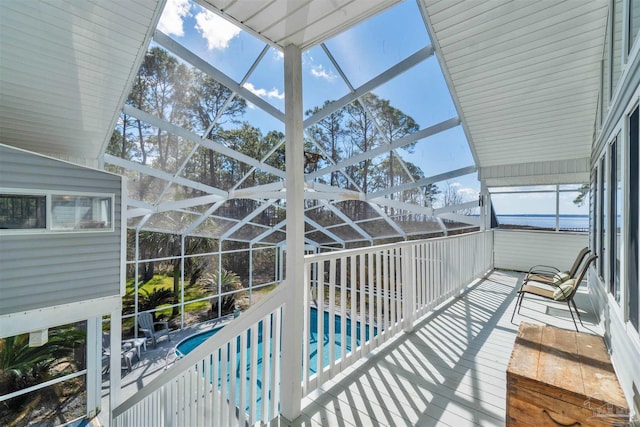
(281,264)
(291,359)
(408,287)
(181,281)
(557,207)
(250,274)
(115,383)
(94,365)
(136,285)
(485,212)
(219,279)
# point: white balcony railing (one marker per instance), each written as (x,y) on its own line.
(356,301)
(230,379)
(369,295)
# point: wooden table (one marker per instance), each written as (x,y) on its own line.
(561,377)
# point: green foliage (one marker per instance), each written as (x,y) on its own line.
(148,300)
(229,282)
(22,366)
(581,198)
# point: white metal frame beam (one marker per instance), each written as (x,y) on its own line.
(399,143)
(171,179)
(367,87)
(205,142)
(422,182)
(184,53)
(247,219)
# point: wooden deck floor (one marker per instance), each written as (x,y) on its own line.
(450,371)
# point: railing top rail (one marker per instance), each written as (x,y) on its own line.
(358,251)
(273,301)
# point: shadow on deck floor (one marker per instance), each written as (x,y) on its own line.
(450,371)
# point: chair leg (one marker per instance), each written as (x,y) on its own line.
(577,312)
(518,302)
(573,318)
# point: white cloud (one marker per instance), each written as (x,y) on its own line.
(468,191)
(172,17)
(263,93)
(319,72)
(217,31)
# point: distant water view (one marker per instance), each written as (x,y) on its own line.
(567,222)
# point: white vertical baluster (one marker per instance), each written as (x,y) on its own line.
(371,307)
(393,296)
(266,365)
(343,309)
(332,314)
(386,294)
(199,414)
(224,384)
(377,322)
(424,279)
(363,309)
(233,381)
(306,335)
(275,364)
(320,321)
(354,305)
(215,392)
(242,374)
(253,374)
(398,287)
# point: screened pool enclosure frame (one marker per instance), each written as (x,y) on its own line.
(386,217)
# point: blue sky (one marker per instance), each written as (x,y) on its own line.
(362,53)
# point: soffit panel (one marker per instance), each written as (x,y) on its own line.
(525,75)
(66,67)
(303,23)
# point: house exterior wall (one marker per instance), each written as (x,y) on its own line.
(45,268)
(520,250)
(614,206)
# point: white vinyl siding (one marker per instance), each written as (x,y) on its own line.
(46,269)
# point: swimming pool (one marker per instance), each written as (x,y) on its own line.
(185,346)
(190,343)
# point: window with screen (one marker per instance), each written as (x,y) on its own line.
(22,211)
(634,212)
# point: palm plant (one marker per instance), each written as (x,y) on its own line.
(22,366)
(228,282)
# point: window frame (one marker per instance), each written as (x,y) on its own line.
(632,202)
(50,228)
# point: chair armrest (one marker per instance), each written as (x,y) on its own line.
(165,325)
(541,268)
(145,330)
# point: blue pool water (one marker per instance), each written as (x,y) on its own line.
(188,344)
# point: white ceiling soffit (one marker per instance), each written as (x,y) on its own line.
(65,70)
(303,23)
(525,76)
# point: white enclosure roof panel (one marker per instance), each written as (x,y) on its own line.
(525,75)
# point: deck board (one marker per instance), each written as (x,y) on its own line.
(450,371)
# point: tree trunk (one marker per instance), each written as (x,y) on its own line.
(176,289)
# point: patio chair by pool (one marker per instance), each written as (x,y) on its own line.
(548,274)
(564,291)
(126,354)
(153,330)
